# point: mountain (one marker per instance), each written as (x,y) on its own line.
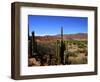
(48,38)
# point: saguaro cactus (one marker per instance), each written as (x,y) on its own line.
(29,44)
(34,44)
(62,48)
(57,52)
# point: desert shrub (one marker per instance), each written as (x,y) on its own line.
(47,53)
(68,55)
(81,60)
(46,48)
(76,60)
(82,51)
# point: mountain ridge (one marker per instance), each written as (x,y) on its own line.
(48,38)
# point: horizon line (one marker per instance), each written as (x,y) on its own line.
(58,34)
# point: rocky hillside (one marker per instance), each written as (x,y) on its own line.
(78,36)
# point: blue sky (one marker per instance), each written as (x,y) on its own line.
(51,25)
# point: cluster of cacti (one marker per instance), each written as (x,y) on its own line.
(60,47)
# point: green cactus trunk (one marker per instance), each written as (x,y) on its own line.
(29,44)
(57,52)
(62,48)
(34,44)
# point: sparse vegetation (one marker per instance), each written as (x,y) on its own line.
(75,53)
(56,51)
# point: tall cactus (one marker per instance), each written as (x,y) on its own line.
(62,48)
(34,44)
(29,44)
(57,52)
